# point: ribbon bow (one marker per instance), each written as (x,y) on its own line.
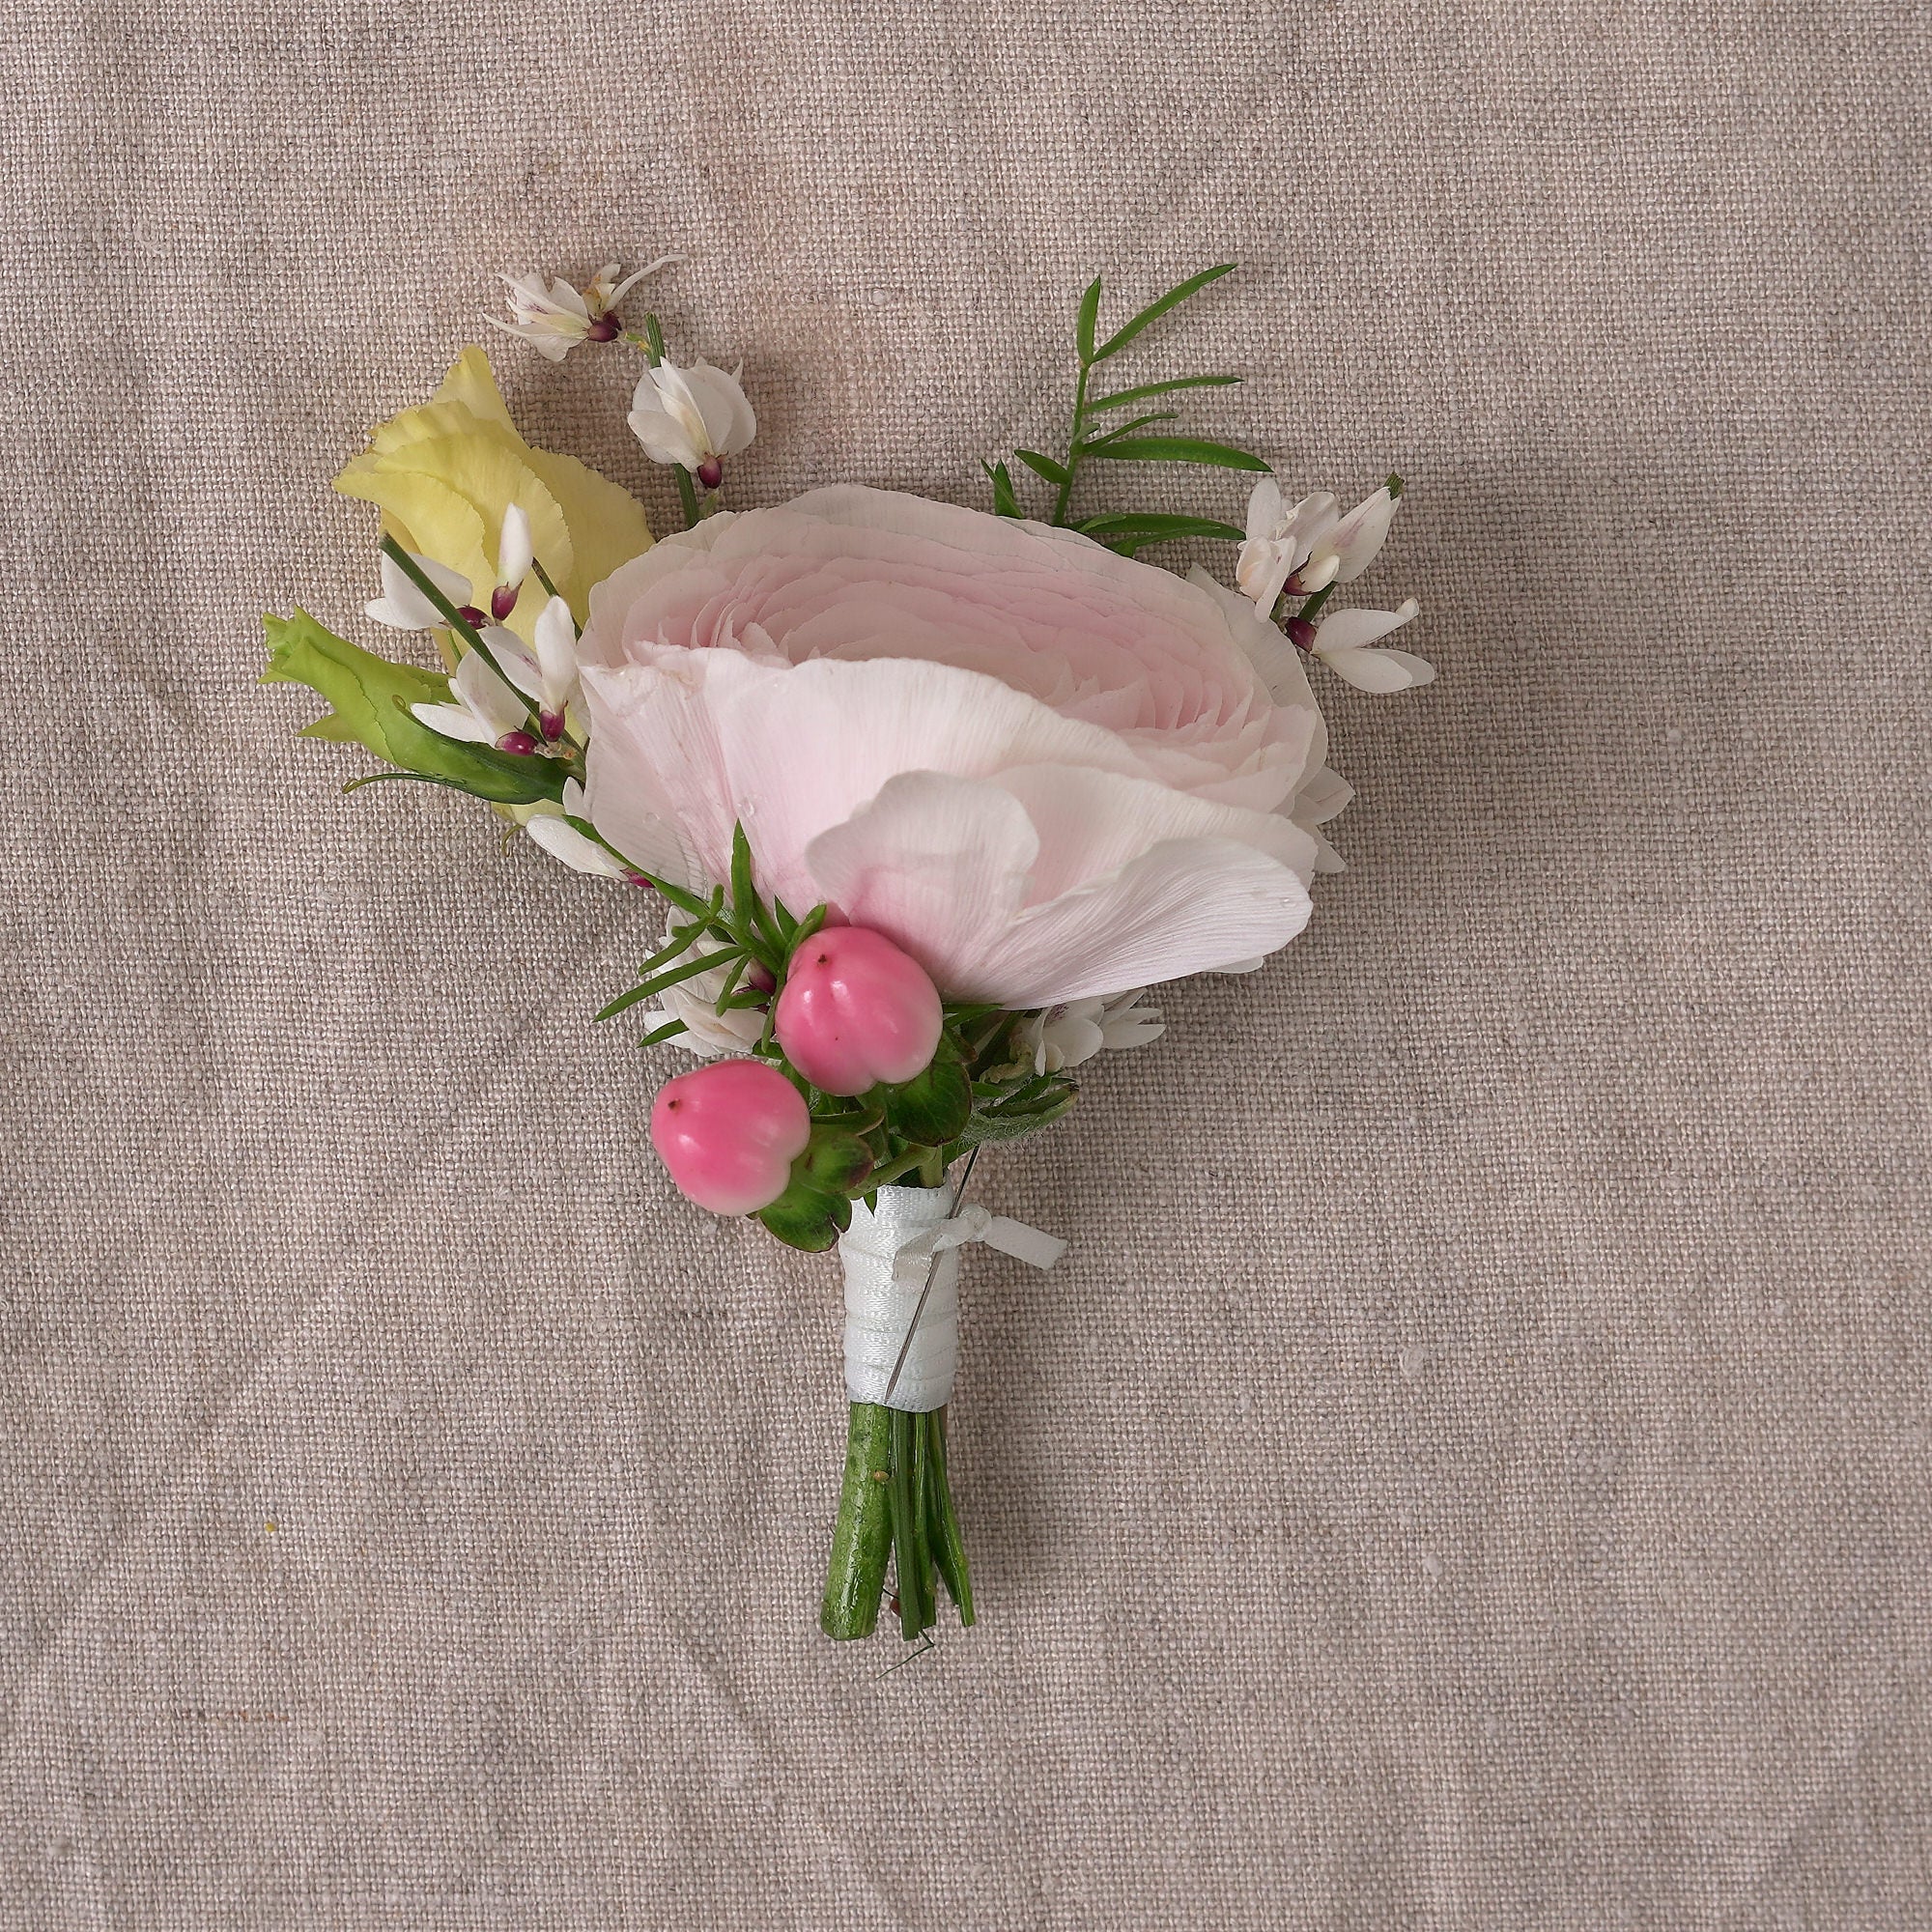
(1031,1245)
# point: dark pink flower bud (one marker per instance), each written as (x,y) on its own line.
(472,617)
(757,976)
(503,600)
(519,743)
(603,329)
(730,1133)
(711,473)
(1300,633)
(856,1011)
(638,879)
(551,725)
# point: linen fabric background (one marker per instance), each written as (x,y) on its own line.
(1470,1471)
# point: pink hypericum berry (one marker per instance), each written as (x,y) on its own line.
(711,473)
(856,1011)
(730,1133)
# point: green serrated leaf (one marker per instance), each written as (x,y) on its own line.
(807,1218)
(370,698)
(1043,466)
(986,1130)
(1179,449)
(1121,398)
(1157,308)
(1005,502)
(1151,528)
(933,1107)
(1089,321)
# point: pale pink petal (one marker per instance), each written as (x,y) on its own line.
(1191,905)
(937,864)
(1090,823)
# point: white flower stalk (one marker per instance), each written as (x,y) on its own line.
(1067,1036)
(514,555)
(486,710)
(692,417)
(549,678)
(1342,643)
(547,824)
(404,607)
(1306,549)
(554,317)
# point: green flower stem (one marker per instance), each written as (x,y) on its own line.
(1073,442)
(862,1541)
(949,1549)
(896,1505)
(461,626)
(912,1565)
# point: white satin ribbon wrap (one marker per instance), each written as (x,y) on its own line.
(889,1254)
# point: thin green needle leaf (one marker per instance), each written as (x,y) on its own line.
(624,1002)
(1005,502)
(1179,449)
(1121,398)
(1043,466)
(672,976)
(731,979)
(1090,316)
(1154,310)
(659,1034)
(1153,529)
(1127,429)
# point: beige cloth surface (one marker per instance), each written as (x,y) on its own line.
(1470,1471)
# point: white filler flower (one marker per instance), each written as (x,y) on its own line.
(692,416)
(554,317)
(1067,1036)
(1306,549)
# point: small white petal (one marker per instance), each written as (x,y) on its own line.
(556,653)
(454,721)
(1381,672)
(514,553)
(1350,630)
(1264,510)
(494,705)
(665,440)
(564,843)
(514,658)
(1357,539)
(403,606)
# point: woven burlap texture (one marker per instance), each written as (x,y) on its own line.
(1470,1470)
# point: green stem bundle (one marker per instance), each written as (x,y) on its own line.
(896,1504)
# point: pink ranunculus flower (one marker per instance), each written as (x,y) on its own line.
(1048,772)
